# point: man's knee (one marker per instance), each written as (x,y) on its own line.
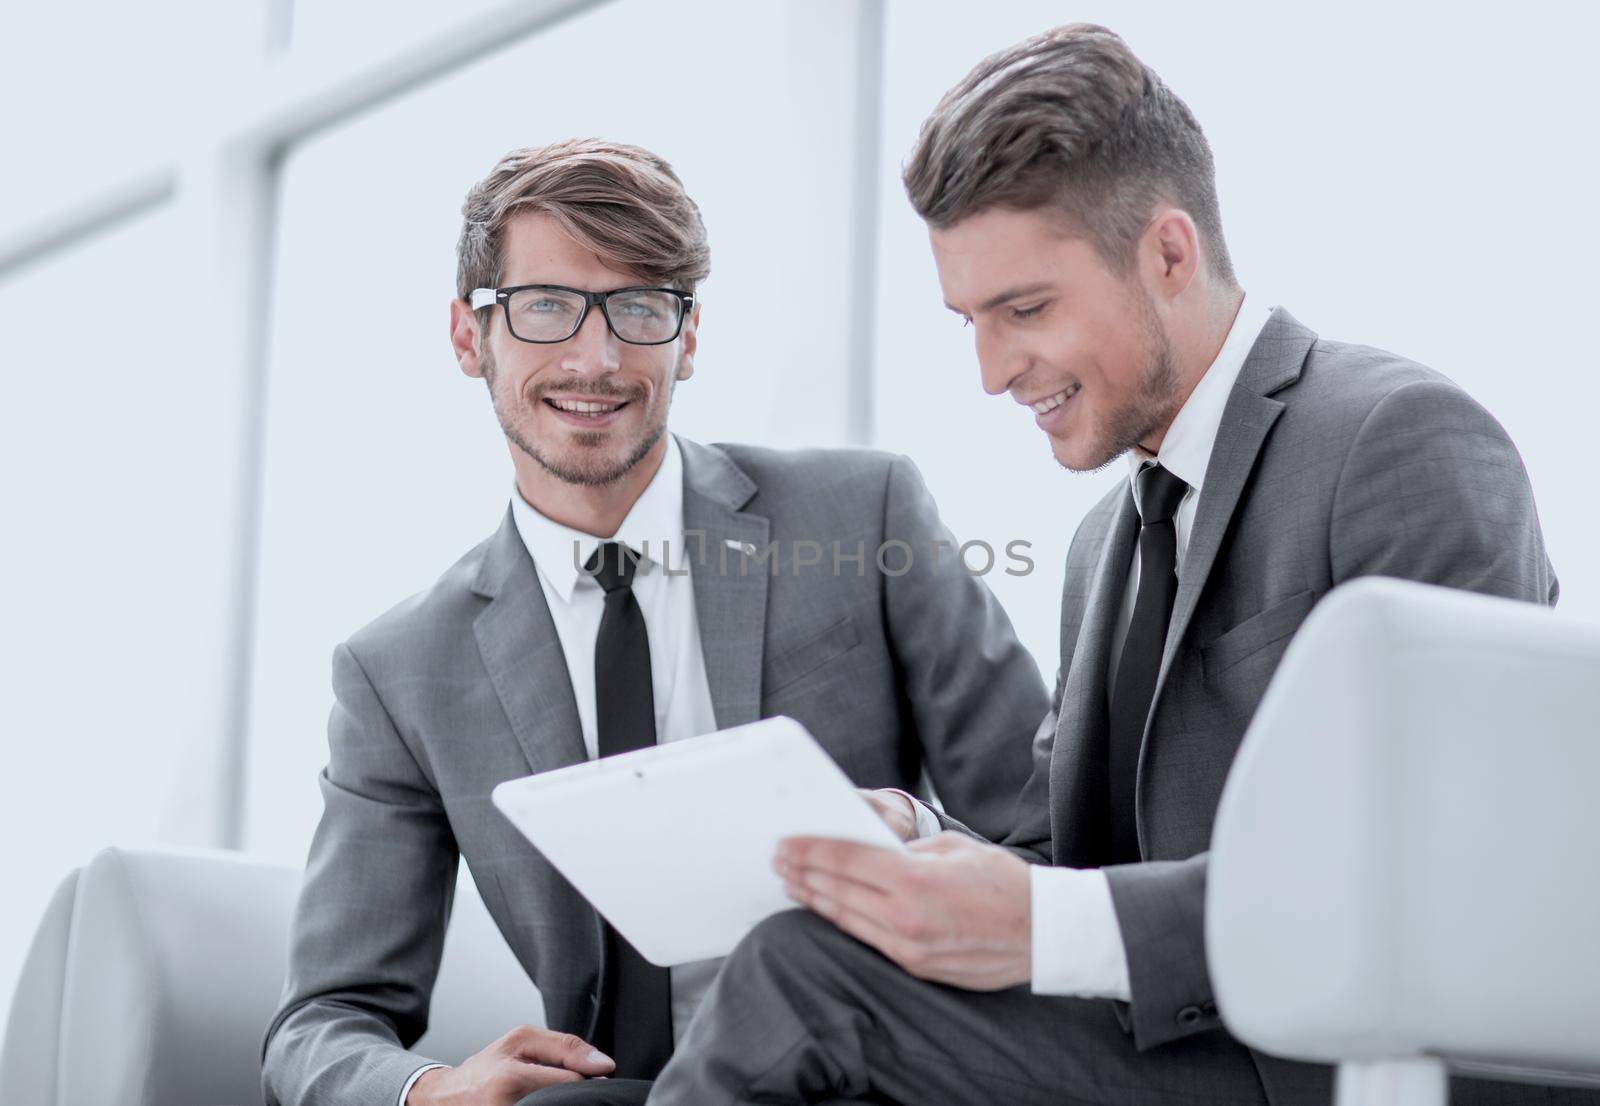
(592,1092)
(800,950)
(791,929)
(794,939)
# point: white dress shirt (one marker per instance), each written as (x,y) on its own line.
(664,588)
(1077,943)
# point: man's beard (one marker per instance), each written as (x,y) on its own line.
(1154,402)
(588,468)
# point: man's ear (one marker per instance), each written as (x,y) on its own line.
(691,341)
(466,338)
(1170,253)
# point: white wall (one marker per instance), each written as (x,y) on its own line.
(91,87)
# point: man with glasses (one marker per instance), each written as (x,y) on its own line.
(641,588)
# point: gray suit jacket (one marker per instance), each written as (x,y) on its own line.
(1333,461)
(465,685)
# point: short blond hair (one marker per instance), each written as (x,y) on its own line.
(623,202)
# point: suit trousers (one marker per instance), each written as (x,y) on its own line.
(606,1092)
(803,1013)
(592,1092)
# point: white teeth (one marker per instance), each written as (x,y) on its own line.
(584,408)
(1050,403)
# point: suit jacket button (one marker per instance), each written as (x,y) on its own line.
(1189,1016)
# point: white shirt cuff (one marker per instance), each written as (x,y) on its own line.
(416,1075)
(1077,944)
(928,822)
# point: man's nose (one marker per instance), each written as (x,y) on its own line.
(593,350)
(998,365)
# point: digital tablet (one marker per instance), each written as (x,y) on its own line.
(673,844)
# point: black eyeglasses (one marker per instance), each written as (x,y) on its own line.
(545,313)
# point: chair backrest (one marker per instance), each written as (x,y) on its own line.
(154,974)
(1406,858)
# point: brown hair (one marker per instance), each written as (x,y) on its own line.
(624,203)
(1069,119)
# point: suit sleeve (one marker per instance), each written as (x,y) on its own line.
(369,928)
(1030,834)
(972,690)
(1434,491)
(1431,490)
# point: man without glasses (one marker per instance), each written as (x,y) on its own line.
(641,588)
(1071,205)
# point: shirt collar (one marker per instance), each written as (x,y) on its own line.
(656,518)
(1186,449)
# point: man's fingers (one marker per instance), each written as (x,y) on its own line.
(873,930)
(869,864)
(920,956)
(807,886)
(563,1050)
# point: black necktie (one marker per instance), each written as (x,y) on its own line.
(635,1025)
(1160,492)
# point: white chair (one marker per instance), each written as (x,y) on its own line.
(1405,868)
(153,975)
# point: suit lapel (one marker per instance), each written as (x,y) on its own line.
(1273,363)
(730,595)
(522,653)
(1244,428)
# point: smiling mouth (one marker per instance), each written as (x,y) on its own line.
(1050,403)
(587,408)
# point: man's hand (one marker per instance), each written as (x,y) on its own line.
(516,1065)
(947,909)
(896,810)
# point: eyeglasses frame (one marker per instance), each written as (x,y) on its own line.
(487,297)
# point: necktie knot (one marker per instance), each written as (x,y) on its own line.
(1160,492)
(612,565)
